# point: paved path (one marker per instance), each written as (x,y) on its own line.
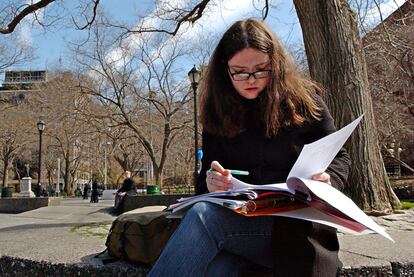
(51,233)
(374,249)
(75,231)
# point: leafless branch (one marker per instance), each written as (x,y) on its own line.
(88,23)
(183,16)
(25,12)
(265,10)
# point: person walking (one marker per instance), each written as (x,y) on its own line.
(85,191)
(95,192)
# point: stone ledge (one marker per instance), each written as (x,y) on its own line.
(17,267)
(132,202)
(395,269)
(16,205)
(402,269)
(12,267)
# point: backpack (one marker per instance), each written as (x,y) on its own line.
(139,236)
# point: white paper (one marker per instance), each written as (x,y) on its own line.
(240,185)
(314,215)
(341,202)
(230,203)
(317,156)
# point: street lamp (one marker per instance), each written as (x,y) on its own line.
(194,76)
(40,126)
(106,164)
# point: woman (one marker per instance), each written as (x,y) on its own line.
(257,113)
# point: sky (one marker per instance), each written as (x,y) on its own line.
(51,45)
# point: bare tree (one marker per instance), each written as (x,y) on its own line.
(129,153)
(61,104)
(138,88)
(14,137)
(13,53)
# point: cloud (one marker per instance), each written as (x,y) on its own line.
(384,9)
(27,25)
(217,17)
(24,36)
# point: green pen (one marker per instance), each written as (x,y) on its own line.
(234,172)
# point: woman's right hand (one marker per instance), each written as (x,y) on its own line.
(219,179)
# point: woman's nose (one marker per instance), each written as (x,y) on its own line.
(251,79)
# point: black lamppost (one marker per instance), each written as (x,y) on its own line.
(40,126)
(194,76)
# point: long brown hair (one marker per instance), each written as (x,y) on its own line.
(221,108)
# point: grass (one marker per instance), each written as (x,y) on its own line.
(406,205)
(98,230)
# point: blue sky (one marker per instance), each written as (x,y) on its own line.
(51,44)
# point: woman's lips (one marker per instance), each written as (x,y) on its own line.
(251,89)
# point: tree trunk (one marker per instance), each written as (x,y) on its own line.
(158,175)
(5,172)
(66,178)
(336,60)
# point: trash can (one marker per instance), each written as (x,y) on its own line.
(153,189)
(7,192)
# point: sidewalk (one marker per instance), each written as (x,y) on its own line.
(63,241)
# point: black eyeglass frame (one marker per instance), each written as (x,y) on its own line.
(249,74)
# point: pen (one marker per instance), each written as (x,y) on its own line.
(235,172)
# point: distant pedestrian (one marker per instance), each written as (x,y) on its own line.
(128,184)
(128,187)
(95,193)
(85,191)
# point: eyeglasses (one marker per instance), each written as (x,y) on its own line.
(243,76)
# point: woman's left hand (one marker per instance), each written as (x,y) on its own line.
(322,177)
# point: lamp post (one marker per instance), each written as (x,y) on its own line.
(105,167)
(40,126)
(58,178)
(106,164)
(194,76)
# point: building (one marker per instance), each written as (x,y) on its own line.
(17,84)
(23,79)
(389,55)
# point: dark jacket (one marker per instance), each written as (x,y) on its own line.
(302,248)
(128,185)
(95,186)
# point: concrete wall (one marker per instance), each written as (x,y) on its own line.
(132,202)
(14,205)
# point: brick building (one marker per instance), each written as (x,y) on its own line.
(389,51)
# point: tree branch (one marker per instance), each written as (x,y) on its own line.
(88,22)
(191,17)
(26,11)
(265,10)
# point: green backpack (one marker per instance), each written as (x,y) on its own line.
(139,236)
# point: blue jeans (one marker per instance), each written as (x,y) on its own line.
(214,241)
